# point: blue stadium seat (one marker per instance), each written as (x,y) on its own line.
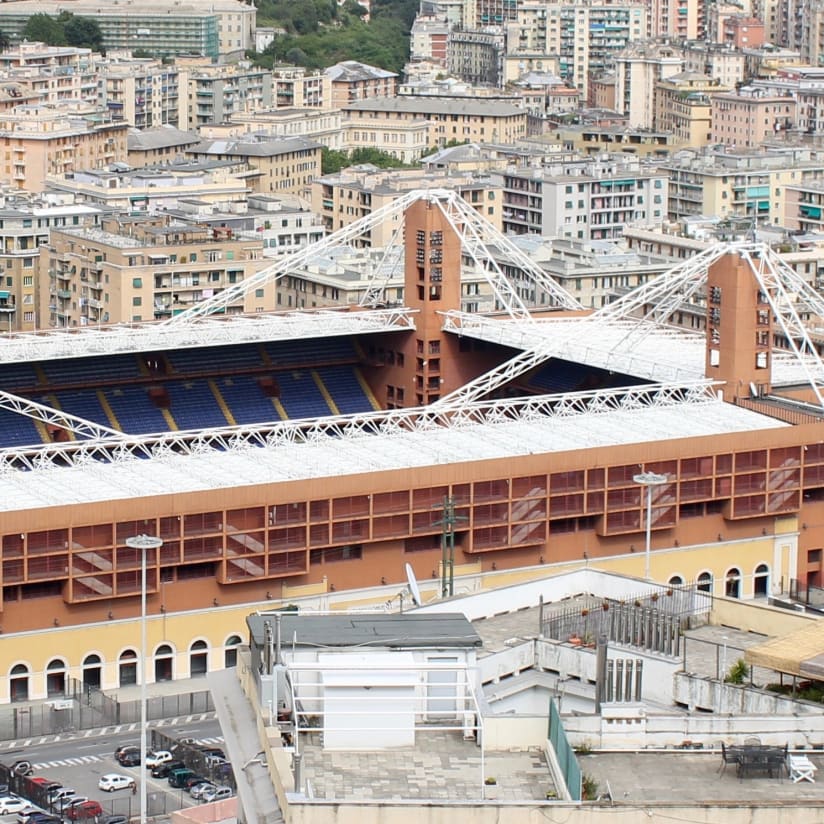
(135,411)
(342,384)
(193,405)
(211,359)
(17,430)
(17,375)
(309,351)
(97,371)
(300,395)
(246,401)
(84,404)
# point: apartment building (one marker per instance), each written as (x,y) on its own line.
(321,125)
(449,119)
(163,144)
(300,88)
(682,105)
(638,67)
(743,32)
(406,140)
(750,116)
(588,34)
(583,199)
(743,183)
(718,60)
(286,166)
(215,93)
(804,210)
(593,139)
(353,193)
(133,269)
(164,28)
(351,81)
(428,39)
(52,74)
(805,84)
(477,56)
(42,140)
(25,223)
(143,92)
(148,191)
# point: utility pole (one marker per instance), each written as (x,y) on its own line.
(447,523)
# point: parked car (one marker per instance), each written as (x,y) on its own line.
(115,781)
(123,748)
(37,817)
(197,790)
(163,770)
(177,777)
(70,801)
(13,804)
(217,794)
(130,758)
(193,779)
(114,819)
(159,757)
(213,751)
(56,793)
(85,811)
(22,768)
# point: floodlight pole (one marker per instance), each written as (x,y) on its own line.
(649,480)
(144,543)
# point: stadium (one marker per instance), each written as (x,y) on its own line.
(286,455)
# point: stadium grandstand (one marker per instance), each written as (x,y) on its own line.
(320,451)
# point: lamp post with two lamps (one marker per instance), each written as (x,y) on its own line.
(144,543)
(649,480)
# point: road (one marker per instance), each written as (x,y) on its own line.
(78,760)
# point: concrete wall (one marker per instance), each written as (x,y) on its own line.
(757,616)
(498,813)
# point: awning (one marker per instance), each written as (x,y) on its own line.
(799,653)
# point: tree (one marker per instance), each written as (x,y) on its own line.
(41,28)
(83,32)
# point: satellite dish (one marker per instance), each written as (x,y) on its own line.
(414,590)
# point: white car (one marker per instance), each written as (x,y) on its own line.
(13,804)
(153,759)
(115,781)
(70,801)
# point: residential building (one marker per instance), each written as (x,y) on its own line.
(583,199)
(718,60)
(143,92)
(406,140)
(638,68)
(132,269)
(322,125)
(118,188)
(295,87)
(743,32)
(358,191)
(588,34)
(805,84)
(476,56)
(544,93)
(43,140)
(25,224)
(428,39)
(595,139)
(215,93)
(164,144)
(682,105)
(743,183)
(282,166)
(163,28)
(748,117)
(352,81)
(473,120)
(680,21)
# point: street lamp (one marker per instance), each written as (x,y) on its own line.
(144,543)
(649,480)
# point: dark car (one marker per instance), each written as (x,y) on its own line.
(113,819)
(193,779)
(163,770)
(130,758)
(178,777)
(125,748)
(213,751)
(22,768)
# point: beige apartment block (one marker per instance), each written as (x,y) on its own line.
(345,197)
(148,191)
(683,106)
(638,68)
(321,125)
(144,268)
(746,183)
(745,119)
(450,120)
(42,140)
(406,140)
(286,166)
(718,60)
(298,87)
(143,92)
(163,144)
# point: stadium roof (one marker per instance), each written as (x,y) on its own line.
(89,471)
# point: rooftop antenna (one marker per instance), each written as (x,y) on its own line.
(412,589)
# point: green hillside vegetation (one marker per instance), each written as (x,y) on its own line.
(64,30)
(320,34)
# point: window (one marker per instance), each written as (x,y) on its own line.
(137,283)
(137,301)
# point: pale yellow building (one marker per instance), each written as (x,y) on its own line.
(42,140)
(683,106)
(298,87)
(449,120)
(353,193)
(638,68)
(144,268)
(406,140)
